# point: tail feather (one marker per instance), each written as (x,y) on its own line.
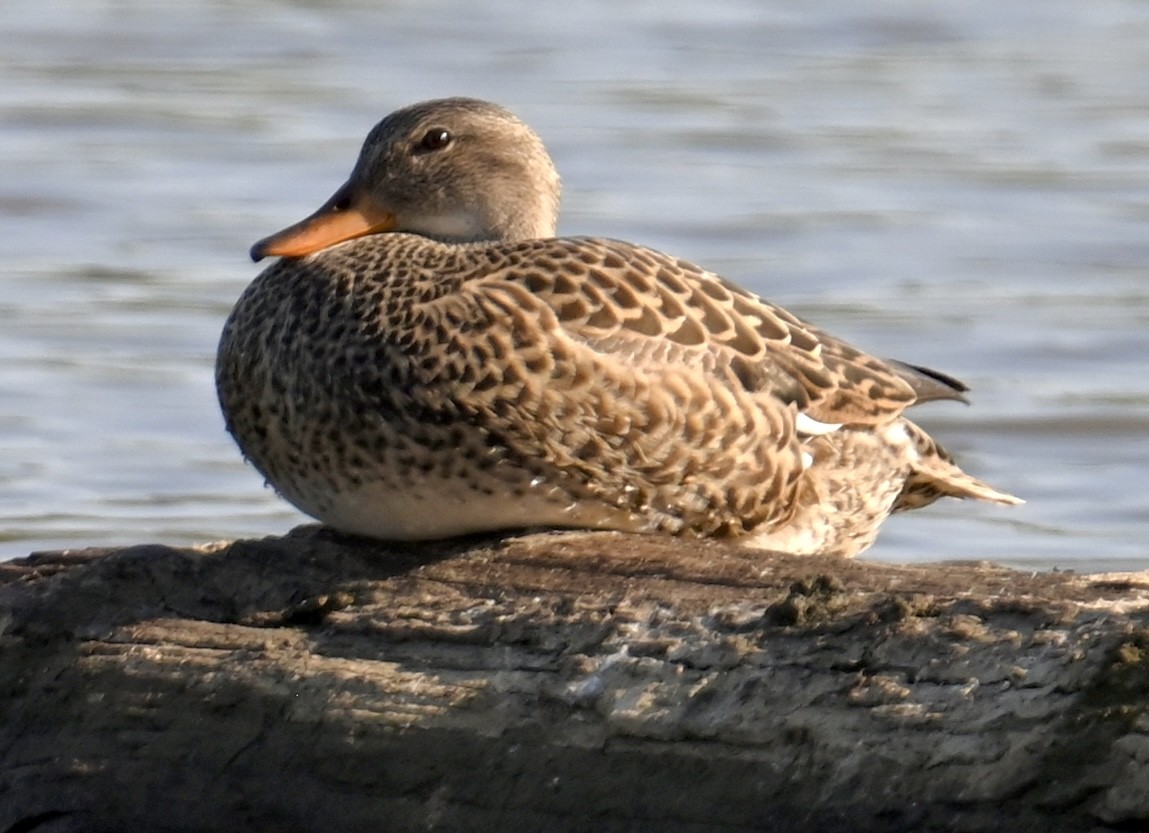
(936,475)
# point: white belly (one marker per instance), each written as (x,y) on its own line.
(442,509)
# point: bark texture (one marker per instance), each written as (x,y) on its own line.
(564,682)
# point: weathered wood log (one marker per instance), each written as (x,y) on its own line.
(564,682)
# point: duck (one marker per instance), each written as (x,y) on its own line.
(425,358)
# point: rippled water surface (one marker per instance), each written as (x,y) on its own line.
(961,185)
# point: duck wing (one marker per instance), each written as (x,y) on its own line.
(642,308)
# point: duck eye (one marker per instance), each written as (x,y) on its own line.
(435,139)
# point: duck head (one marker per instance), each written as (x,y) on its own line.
(455,169)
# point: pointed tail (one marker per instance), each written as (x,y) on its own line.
(936,475)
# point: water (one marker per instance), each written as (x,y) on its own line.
(964,186)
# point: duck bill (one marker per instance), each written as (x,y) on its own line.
(348,214)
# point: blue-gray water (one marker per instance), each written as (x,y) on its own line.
(961,185)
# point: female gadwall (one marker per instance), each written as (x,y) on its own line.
(426,359)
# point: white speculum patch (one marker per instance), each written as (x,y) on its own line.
(809,426)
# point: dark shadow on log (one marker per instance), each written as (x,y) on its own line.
(564,682)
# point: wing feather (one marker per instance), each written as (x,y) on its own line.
(645,307)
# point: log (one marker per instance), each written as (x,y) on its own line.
(564,682)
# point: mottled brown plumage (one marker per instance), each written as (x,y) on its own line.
(439,363)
